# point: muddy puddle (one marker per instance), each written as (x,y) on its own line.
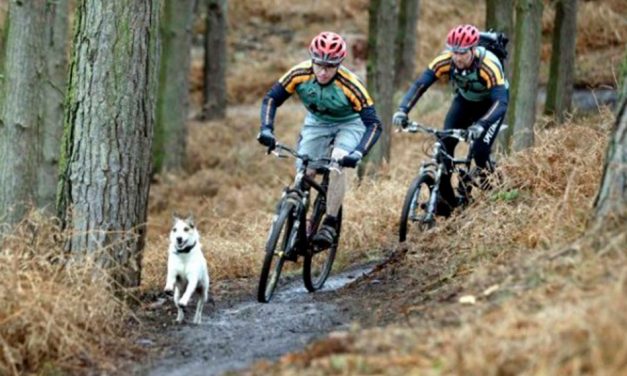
(232,338)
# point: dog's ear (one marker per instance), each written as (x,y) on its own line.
(175,216)
(190,220)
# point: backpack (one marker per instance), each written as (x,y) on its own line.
(496,43)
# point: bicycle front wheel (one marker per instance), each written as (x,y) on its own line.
(279,242)
(415,206)
(317,265)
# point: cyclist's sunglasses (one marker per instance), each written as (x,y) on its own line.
(458,50)
(325,64)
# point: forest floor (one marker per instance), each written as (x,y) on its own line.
(238,330)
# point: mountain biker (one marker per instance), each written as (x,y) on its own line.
(479,104)
(339,111)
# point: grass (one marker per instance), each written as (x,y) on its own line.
(56,316)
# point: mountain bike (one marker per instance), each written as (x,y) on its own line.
(421,200)
(295,223)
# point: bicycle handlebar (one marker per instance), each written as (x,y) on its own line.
(415,127)
(304,157)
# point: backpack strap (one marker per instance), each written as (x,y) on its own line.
(482,55)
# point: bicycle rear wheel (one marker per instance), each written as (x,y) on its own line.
(317,266)
(278,244)
(414,207)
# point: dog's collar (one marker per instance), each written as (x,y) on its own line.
(187,249)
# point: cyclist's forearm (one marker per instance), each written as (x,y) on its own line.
(499,96)
(273,99)
(373,129)
(426,79)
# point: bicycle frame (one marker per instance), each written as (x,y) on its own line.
(437,165)
(299,194)
(289,237)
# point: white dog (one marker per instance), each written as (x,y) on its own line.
(187,268)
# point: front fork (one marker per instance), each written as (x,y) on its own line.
(434,193)
(299,201)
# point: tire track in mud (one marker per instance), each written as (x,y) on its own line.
(233,338)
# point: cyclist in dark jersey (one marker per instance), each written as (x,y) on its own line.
(479,104)
(339,111)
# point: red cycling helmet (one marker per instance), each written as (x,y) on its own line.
(462,38)
(327,48)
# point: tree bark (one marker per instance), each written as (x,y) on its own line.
(19,120)
(173,103)
(214,106)
(4,18)
(54,88)
(524,90)
(109,125)
(561,76)
(610,206)
(381,35)
(406,42)
(500,17)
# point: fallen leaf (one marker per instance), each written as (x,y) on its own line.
(490,290)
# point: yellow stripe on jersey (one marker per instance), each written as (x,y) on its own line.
(488,79)
(300,66)
(493,71)
(350,94)
(296,75)
(352,82)
(441,65)
(295,81)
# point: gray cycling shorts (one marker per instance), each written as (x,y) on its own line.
(317,136)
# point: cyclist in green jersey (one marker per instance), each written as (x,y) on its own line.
(339,112)
(479,105)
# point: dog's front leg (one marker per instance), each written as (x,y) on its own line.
(181,312)
(170,281)
(189,290)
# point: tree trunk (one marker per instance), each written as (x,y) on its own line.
(406,42)
(524,90)
(381,34)
(19,120)
(610,205)
(561,76)
(4,22)
(173,102)
(108,133)
(54,88)
(214,106)
(500,17)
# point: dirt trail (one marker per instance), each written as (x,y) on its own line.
(231,338)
